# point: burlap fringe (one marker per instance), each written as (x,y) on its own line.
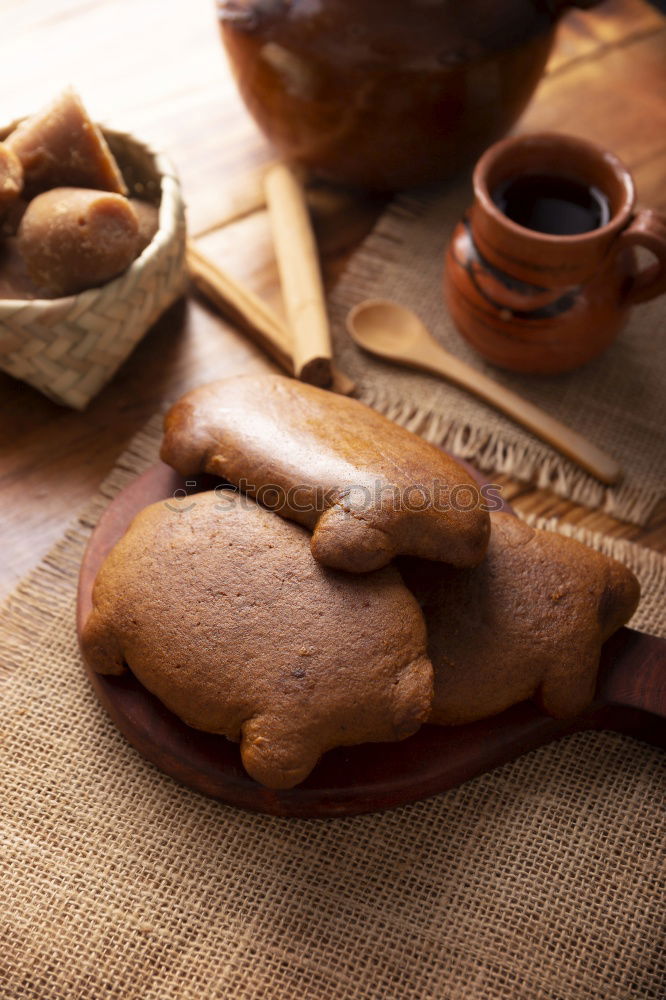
(537,463)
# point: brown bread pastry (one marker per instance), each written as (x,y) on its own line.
(222,613)
(528,622)
(366,487)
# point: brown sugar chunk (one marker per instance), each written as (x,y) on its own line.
(222,613)
(367,488)
(148,218)
(528,622)
(61,147)
(73,238)
(15,282)
(11,178)
(10,220)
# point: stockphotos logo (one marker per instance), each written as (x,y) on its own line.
(358,499)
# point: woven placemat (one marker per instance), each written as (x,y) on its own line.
(543,880)
(617,401)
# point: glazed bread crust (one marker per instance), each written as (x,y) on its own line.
(222,613)
(528,622)
(367,488)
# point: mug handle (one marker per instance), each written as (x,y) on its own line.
(648,230)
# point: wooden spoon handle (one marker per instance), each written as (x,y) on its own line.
(595,461)
(300,276)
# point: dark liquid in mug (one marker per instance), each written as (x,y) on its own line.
(550,204)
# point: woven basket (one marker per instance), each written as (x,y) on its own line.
(70,347)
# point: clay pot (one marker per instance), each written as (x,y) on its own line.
(533,302)
(387,93)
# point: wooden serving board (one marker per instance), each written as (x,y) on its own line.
(631,698)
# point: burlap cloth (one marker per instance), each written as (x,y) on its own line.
(543,880)
(618,401)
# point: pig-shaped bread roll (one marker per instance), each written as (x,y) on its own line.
(221,612)
(367,488)
(528,622)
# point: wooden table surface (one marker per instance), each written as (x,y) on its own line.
(158,70)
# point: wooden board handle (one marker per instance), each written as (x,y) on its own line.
(631,690)
(300,275)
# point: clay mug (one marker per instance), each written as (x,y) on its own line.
(540,302)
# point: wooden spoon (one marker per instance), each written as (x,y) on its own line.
(394,332)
